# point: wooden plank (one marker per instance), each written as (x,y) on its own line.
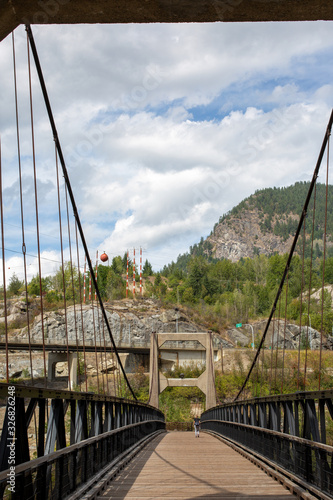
(179,466)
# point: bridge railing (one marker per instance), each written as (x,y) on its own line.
(288,432)
(78,435)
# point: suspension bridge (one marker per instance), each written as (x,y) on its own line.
(104,443)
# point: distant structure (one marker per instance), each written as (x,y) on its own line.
(158,382)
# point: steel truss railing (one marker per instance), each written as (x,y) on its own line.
(87,430)
(289,431)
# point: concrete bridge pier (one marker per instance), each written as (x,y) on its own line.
(158,382)
(61,357)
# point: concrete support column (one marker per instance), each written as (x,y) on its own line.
(73,369)
(61,357)
(153,371)
(117,421)
(210,379)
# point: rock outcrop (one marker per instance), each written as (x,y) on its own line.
(130,323)
(279,334)
(241,236)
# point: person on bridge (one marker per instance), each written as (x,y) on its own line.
(196,427)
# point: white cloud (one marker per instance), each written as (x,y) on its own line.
(166,127)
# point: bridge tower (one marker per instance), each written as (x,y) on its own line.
(158,382)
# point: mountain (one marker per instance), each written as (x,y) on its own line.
(265,223)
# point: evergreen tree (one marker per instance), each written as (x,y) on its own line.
(147,269)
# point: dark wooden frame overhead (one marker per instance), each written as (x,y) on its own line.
(15,12)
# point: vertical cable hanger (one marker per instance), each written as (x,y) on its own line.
(21,207)
(324,259)
(36,212)
(310,285)
(301,312)
(95,338)
(71,196)
(81,308)
(100,330)
(63,269)
(272,353)
(73,287)
(4,269)
(262,369)
(277,345)
(105,360)
(284,333)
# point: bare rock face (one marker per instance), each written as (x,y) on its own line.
(16,310)
(129,323)
(288,336)
(238,237)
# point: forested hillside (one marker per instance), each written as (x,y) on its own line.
(277,206)
(261,229)
(265,223)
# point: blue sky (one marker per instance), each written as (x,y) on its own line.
(166,127)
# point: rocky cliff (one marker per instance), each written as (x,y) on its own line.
(266,222)
(241,235)
(131,322)
(288,336)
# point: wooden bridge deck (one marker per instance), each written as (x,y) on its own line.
(177,465)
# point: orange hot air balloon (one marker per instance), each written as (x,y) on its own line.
(104,257)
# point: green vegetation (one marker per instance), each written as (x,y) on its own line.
(69,282)
(15,285)
(284,378)
(176,402)
(220,294)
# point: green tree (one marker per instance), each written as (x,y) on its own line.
(15,284)
(117,265)
(115,286)
(67,280)
(276,266)
(158,280)
(197,271)
(188,295)
(34,285)
(147,269)
(125,262)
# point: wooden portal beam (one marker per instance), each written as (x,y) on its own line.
(15,12)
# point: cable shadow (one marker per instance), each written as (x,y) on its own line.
(127,476)
(220,490)
(123,483)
